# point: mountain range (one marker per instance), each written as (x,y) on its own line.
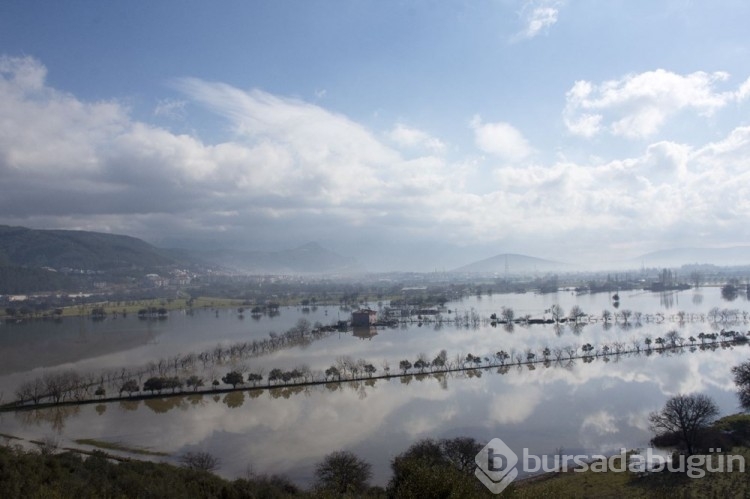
(514,264)
(24,248)
(24,253)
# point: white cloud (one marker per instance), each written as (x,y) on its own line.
(639,105)
(170,108)
(21,74)
(292,170)
(500,139)
(601,422)
(514,405)
(537,17)
(744,90)
(288,160)
(409,137)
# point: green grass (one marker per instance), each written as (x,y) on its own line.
(118,447)
(737,424)
(132,307)
(658,484)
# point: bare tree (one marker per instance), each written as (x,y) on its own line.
(636,345)
(626,315)
(200,461)
(571,351)
(507,314)
(343,473)
(557,312)
(673,337)
(685,416)
(576,313)
(31,390)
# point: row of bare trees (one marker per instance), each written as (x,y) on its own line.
(65,386)
(68,386)
(57,387)
(576,314)
(173,372)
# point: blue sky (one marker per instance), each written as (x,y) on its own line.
(414,134)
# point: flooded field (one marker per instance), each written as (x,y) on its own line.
(588,406)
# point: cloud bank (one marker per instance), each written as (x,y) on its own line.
(288,171)
(637,106)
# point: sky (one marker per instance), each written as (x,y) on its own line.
(410,135)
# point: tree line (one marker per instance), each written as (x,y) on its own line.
(68,386)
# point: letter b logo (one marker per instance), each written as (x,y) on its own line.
(496,465)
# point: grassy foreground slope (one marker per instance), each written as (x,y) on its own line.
(417,474)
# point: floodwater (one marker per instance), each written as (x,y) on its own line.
(583,407)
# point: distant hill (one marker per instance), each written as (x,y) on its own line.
(737,255)
(516,264)
(310,258)
(57,249)
(25,253)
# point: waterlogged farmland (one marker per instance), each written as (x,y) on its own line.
(549,390)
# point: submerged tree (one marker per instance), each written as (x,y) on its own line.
(194,382)
(130,387)
(233,378)
(729,291)
(200,461)
(404,365)
(153,384)
(557,312)
(576,313)
(507,314)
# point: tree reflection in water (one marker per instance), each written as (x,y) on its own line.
(54,416)
(129,405)
(234,399)
(163,405)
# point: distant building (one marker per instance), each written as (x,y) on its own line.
(364,317)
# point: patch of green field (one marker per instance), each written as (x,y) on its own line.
(132,307)
(208,301)
(657,484)
(118,447)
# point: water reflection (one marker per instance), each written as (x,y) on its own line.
(605,400)
(129,405)
(163,405)
(668,299)
(54,417)
(367,333)
(287,429)
(234,399)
